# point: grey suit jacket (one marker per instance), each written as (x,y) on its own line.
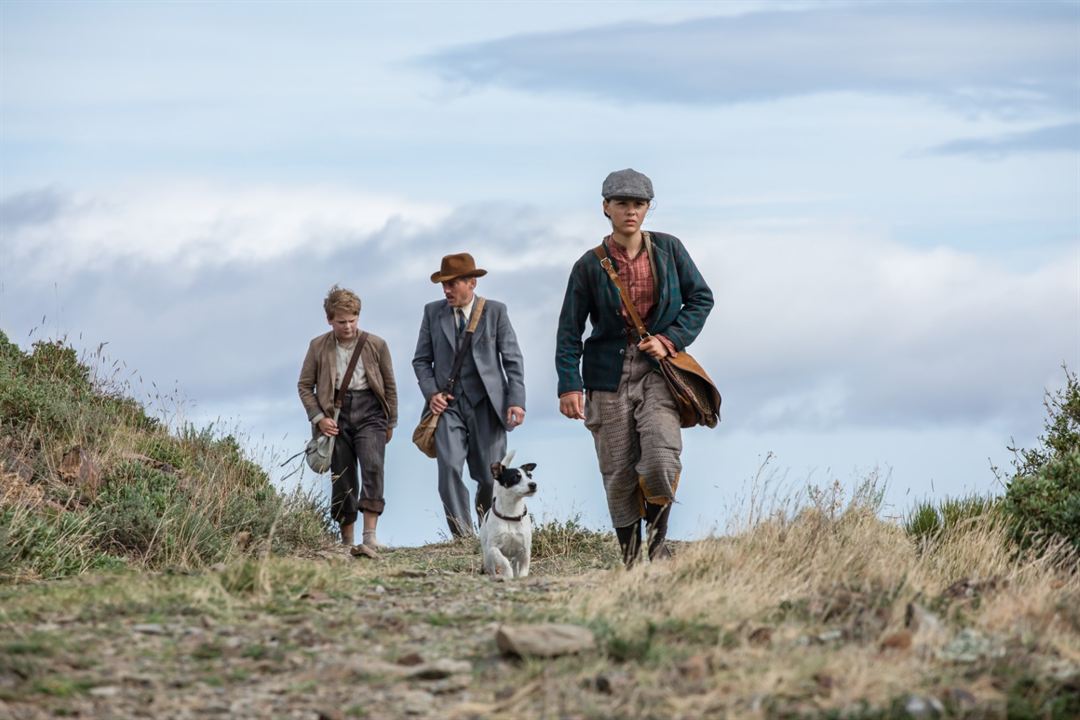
(494,349)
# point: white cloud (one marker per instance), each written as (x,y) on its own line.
(833,324)
(192,225)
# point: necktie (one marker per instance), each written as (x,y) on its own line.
(460,321)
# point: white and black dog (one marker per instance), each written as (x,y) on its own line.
(506,529)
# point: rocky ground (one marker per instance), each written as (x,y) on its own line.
(420,633)
(410,635)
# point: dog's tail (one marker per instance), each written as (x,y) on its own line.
(508,459)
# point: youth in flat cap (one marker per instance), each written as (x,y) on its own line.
(628,183)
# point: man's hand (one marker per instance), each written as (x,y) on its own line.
(439,403)
(653,347)
(327,426)
(572,405)
(389,434)
(515,416)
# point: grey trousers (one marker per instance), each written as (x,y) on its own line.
(638,439)
(470,433)
(361,439)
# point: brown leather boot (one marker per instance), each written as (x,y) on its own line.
(656,525)
(347,536)
(630,543)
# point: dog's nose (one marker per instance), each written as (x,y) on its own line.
(532,486)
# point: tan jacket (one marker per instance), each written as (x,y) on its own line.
(316,385)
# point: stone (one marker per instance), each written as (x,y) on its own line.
(923,707)
(960,700)
(367,668)
(363,551)
(452,684)
(544,639)
(970,646)
(899,640)
(410,659)
(16,466)
(761,637)
(331,714)
(417,702)
(824,681)
(243,540)
(439,669)
(610,682)
(105,691)
(926,627)
(695,667)
(149,629)
(830,636)
(969,588)
(79,469)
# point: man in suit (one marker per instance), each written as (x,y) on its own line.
(489,396)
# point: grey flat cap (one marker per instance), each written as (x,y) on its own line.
(628,183)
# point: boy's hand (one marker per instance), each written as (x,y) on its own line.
(327,426)
(389,434)
(572,405)
(439,403)
(654,347)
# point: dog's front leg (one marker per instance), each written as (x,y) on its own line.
(496,564)
(526,557)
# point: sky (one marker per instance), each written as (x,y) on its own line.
(884,198)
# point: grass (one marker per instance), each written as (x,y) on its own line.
(785,618)
(144,496)
(813,592)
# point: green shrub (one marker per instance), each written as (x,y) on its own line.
(48,545)
(928,521)
(552,539)
(1046,504)
(303,521)
(185,500)
(133,506)
(1043,497)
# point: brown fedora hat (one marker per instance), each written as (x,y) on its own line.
(459,265)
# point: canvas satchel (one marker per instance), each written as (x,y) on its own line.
(695,394)
(424,434)
(320,449)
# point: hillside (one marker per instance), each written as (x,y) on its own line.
(820,617)
(148,573)
(89,480)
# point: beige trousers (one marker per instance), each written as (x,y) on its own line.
(638,439)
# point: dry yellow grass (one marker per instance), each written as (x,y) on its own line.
(813,612)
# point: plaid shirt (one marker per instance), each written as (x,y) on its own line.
(637,277)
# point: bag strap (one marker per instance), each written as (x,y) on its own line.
(339,398)
(466,343)
(605,262)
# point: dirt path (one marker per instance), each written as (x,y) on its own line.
(408,636)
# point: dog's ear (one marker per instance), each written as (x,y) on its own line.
(496,470)
(528,468)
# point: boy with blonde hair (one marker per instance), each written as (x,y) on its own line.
(367,418)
